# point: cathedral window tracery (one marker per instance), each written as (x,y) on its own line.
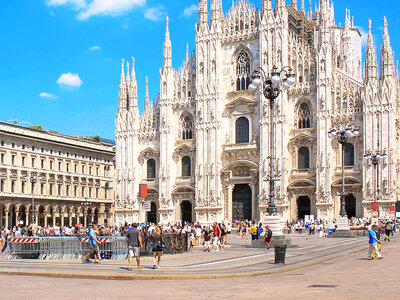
(304,116)
(187,128)
(151,169)
(348,154)
(242,130)
(243,71)
(303,158)
(186,166)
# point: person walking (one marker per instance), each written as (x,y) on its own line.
(216,237)
(207,238)
(388,231)
(373,243)
(268,235)
(254,232)
(135,243)
(157,241)
(93,246)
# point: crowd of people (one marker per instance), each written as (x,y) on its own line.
(213,237)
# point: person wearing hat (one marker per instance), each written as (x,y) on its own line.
(268,235)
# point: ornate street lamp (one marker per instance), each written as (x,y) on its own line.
(342,135)
(271,86)
(375,158)
(33,178)
(86,204)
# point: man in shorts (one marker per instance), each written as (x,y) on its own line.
(267,237)
(134,242)
(94,246)
(216,237)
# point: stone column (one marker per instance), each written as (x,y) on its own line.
(6,218)
(45,220)
(36,217)
(70,219)
(85,219)
(26,218)
(54,218)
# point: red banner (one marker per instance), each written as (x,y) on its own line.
(375,205)
(143,190)
(393,208)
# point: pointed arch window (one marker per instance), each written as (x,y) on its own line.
(242,130)
(187,128)
(348,154)
(186,166)
(242,71)
(303,158)
(151,168)
(303,116)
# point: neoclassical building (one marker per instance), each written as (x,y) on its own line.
(72,183)
(202,147)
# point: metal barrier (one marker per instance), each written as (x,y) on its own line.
(112,247)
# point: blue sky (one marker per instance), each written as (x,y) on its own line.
(60,59)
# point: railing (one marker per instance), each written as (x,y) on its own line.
(112,247)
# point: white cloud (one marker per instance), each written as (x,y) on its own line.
(94,48)
(48,96)
(155,13)
(69,80)
(108,8)
(190,10)
(77,4)
(364,36)
(90,8)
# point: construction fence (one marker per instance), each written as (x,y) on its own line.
(112,247)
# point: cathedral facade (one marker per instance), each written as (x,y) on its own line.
(202,147)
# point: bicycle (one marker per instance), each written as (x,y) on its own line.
(176,245)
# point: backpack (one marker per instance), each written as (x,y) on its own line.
(253,230)
(269,233)
(388,227)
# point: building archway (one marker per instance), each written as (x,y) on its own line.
(41,216)
(351,205)
(96,216)
(22,215)
(13,217)
(241,202)
(152,214)
(3,216)
(303,207)
(186,212)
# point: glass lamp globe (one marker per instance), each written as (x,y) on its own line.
(285,86)
(276,79)
(252,87)
(256,82)
(290,80)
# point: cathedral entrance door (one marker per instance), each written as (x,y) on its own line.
(152,214)
(186,212)
(303,207)
(350,206)
(241,202)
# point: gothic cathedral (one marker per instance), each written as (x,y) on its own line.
(202,147)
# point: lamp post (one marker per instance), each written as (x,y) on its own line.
(375,158)
(342,135)
(85,204)
(33,179)
(271,86)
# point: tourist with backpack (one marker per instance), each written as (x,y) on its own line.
(157,242)
(268,236)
